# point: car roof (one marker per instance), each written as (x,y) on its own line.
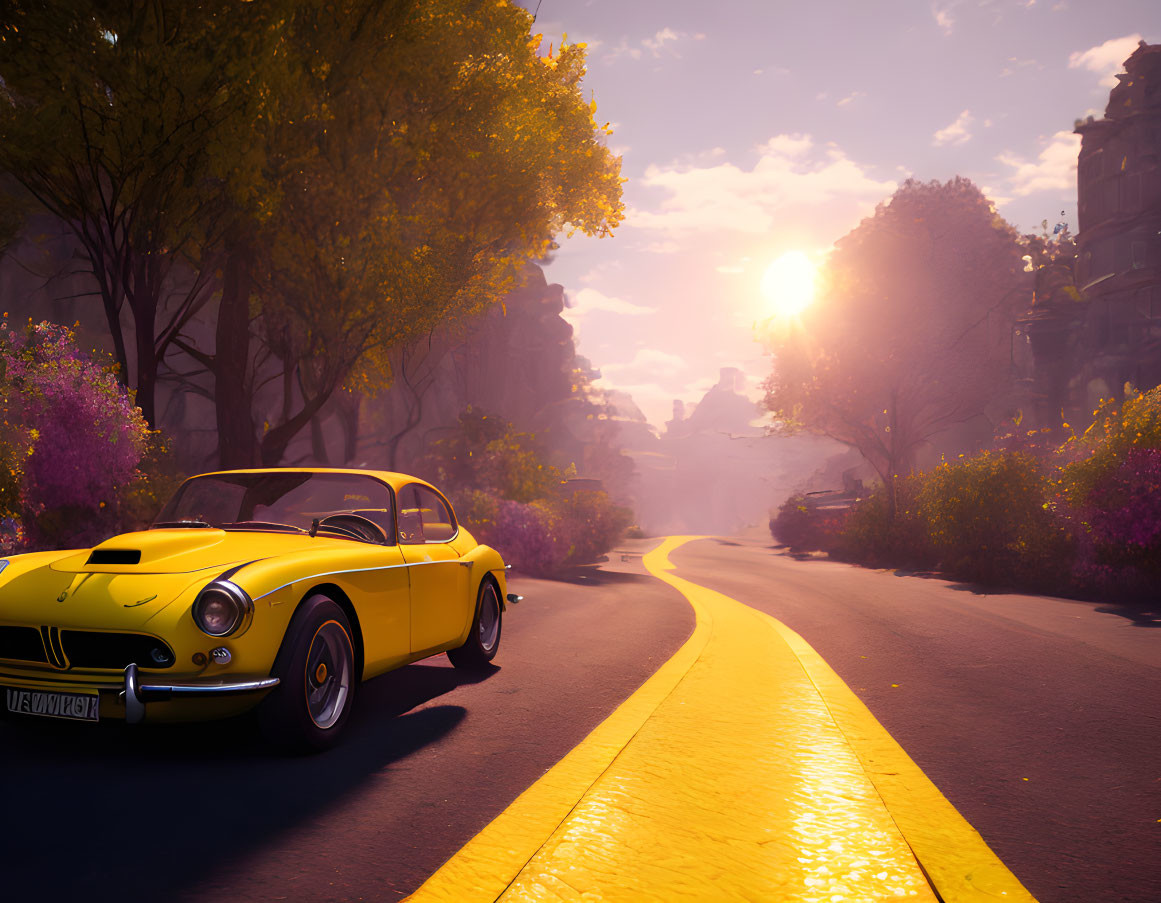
(394,480)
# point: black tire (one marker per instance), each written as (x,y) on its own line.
(306,712)
(484,638)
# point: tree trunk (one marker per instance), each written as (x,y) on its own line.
(349,406)
(276,439)
(144,298)
(237,446)
(318,442)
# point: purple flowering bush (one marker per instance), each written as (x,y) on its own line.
(530,536)
(72,439)
(547,535)
(1120,528)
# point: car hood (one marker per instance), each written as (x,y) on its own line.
(85,589)
(183,550)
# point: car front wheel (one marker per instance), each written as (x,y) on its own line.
(484,637)
(317,680)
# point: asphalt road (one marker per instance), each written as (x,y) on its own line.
(1039,719)
(207,812)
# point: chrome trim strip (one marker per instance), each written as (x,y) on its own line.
(219,689)
(135,694)
(386,567)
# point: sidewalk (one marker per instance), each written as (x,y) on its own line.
(744,769)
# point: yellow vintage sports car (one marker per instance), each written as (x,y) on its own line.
(278,589)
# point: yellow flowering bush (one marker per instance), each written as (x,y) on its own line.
(987,519)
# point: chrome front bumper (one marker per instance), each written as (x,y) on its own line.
(136,694)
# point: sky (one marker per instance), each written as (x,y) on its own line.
(752,128)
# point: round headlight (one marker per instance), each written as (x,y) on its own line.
(221,608)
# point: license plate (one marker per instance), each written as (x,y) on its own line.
(77,706)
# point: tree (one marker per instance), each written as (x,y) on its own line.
(112,117)
(431,154)
(912,330)
(345,174)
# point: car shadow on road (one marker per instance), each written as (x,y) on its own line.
(1141,615)
(106,812)
(591,575)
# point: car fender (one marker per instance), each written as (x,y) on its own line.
(483,561)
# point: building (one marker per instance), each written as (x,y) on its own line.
(1118,245)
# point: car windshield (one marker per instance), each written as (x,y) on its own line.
(276,501)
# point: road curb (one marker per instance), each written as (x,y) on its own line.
(743,769)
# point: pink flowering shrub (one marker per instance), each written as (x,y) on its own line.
(72,437)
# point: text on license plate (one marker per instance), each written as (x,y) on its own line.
(79,706)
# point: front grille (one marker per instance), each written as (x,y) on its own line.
(21,644)
(90,649)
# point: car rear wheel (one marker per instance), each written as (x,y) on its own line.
(316,672)
(484,638)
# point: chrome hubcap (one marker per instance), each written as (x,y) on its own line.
(328,674)
(489,620)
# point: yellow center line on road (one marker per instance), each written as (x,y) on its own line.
(739,771)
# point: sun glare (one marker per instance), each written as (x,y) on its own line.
(788,284)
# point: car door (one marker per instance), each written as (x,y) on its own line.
(384,603)
(439,593)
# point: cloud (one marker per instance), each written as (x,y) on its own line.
(654,44)
(1054,169)
(790,178)
(850,98)
(662,43)
(1105,59)
(601,270)
(1015,64)
(589,300)
(956,133)
(647,365)
(943,17)
(786,146)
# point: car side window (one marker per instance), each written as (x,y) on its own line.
(410,519)
(439,523)
(424,516)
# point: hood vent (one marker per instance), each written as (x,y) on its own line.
(115,556)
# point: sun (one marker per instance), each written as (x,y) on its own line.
(788,284)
